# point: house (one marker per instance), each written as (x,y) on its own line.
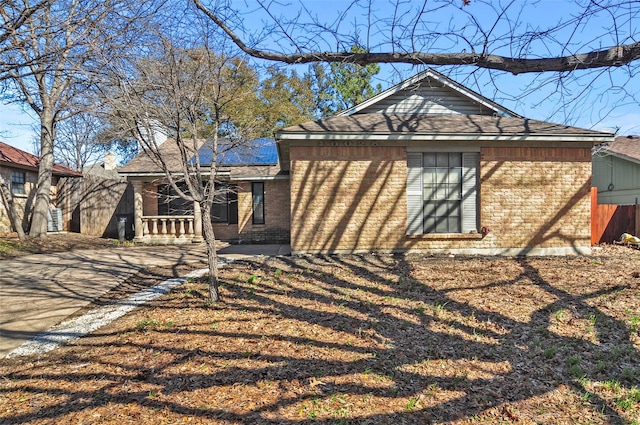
(253,207)
(616,181)
(616,171)
(432,166)
(428,165)
(19,170)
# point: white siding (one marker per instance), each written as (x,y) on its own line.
(428,98)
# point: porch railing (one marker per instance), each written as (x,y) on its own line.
(168,228)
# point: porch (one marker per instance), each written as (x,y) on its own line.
(164,229)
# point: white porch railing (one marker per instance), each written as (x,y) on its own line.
(169,229)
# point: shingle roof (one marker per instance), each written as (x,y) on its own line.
(626,147)
(145,163)
(13,156)
(434,124)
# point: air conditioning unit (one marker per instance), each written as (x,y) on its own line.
(54,220)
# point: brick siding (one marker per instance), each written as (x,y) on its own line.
(277,219)
(538,199)
(349,198)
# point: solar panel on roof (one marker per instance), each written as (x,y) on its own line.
(255,152)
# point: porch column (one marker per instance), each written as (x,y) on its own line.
(137,210)
(197,223)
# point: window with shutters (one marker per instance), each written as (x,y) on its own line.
(442,192)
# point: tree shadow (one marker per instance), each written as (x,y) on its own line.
(356,339)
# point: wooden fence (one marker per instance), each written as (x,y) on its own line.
(93,205)
(608,222)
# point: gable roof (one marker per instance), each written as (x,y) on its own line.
(624,147)
(425,77)
(14,157)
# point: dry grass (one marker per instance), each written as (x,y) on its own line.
(12,247)
(353,339)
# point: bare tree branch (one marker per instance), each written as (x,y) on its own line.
(614,56)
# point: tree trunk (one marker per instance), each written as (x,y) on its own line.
(212,255)
(42,201)
(7,200)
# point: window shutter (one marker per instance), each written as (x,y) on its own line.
(470,192)
(414,194)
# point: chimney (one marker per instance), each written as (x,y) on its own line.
(109,162)
(153,133)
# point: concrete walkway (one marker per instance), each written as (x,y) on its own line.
(39,291)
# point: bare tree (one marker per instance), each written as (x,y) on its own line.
(78,142)
(195,95)
(417,34)
(14,14)
(50,65)
(577,58)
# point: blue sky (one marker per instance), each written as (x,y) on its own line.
(589,99)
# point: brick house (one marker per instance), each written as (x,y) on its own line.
(253,206)
(430,165)
(19,170)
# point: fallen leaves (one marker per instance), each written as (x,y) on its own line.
(358,339)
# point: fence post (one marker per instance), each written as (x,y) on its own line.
(594,216)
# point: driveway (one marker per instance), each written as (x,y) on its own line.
(39,291)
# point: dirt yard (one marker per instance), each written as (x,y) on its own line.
(359,340)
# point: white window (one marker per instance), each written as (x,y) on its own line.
(442,192)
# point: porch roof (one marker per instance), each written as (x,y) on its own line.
(625,147)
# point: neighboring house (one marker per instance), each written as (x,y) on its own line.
(616,171)
(20,171)
(253,209)
(427,165)
(616,181)
(430,165)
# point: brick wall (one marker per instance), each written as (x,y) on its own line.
(277,219)
(346,198)
(536,197)
(150,199)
